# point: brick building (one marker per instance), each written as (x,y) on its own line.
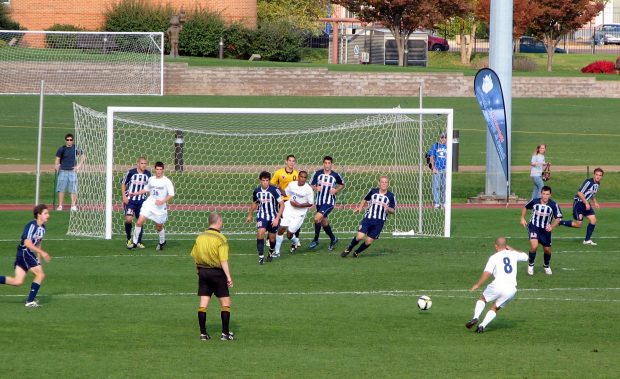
(88,14)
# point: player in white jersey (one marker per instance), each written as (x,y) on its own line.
(503,266)
(155,207)
(301,198)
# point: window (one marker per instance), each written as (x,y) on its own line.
(7,2)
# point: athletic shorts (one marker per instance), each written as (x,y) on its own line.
(371,227)
(292,222)
(67,180)
(501,295)
(261,223)
(212,281)
(579,210)
(26,259)
(132,208)
(325,209)
(153,213)
(540,234)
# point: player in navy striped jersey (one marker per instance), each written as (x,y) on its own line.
(134,181)
(583,202)
(29,253)
(268,203)
(380,202)
(327,184)
(546,215)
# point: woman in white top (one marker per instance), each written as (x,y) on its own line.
(538,164)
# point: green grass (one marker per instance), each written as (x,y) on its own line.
(111,313)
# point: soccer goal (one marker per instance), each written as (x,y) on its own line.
(81,63)
(214,156)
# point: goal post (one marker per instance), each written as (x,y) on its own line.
(82,63)
(214,155)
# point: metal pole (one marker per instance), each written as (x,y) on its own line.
(221,47)
(39,143)
(178,151)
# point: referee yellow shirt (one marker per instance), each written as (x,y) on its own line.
(210,249)
(281,178)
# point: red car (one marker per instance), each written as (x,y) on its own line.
(437,43)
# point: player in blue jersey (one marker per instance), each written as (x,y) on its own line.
(546,215)
(438,159)
(380,202)
(29,253)
(268,203)
(583,202)
(134,181)
(327,183)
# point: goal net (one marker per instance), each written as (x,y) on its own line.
(214,156)
(81,63)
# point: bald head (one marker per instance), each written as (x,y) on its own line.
(500,243)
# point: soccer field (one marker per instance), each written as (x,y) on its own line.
(110,312)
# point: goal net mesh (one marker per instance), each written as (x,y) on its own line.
(214,160)
(81,63)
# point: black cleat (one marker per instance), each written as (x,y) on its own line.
(204,337)
(480,329)
(471,323)
(261,259)
(227,336)
(356,254)
(332,244)
(269,257)
(345,253)
(293,248)
(161,246)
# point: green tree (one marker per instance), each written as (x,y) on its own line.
(303,14)
(6,22)
(403,17)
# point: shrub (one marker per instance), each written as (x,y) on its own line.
(6,22)
(238,41)
(600,67)
(137,16)
(201,34)
(521,63)
(277,41)
(55,41)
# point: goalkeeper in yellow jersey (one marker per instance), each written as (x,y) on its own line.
(281,178)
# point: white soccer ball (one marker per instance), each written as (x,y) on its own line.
(425,303)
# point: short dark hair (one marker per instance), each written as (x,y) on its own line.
(328,158)
(545,188)
(264,175)
(38,210)
(303,172)
(290,156)
(598,169)
(69,135)
(159,164)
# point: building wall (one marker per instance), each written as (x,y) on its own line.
(41,14)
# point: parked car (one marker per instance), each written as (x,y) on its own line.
(436,43)
(529,44)
(607,34)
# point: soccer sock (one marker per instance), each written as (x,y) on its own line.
(202,320)
(271,245)
(568,223)
(328,231)
(128,230)
(34,289)
(225,314)
(589,231)
(532,258)
(317,230)
(162,235)
(361,248)
(479,308)
(279,239)
(352,244)
(140,236)
(295,240)
(488,318)
(547,260)
(297,232)
(260,246)
(2,279)
(136,232)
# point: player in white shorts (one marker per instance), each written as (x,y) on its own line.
(155,207)
(301,198)
(503,266)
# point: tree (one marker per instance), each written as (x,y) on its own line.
(403,17)
(304,14)
(548,20)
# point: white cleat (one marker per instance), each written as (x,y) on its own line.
(33,304)
(548,270)
(530,270)
(589,242)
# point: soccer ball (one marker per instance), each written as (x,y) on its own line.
(425,303)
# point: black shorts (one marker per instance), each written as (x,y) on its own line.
(540,234)
(212,281)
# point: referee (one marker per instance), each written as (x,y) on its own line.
(210,253)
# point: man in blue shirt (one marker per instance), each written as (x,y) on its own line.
(327,183)
(268,203)
(67,169)
(28,255)
(584,200)
(134,181)
(438,159)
